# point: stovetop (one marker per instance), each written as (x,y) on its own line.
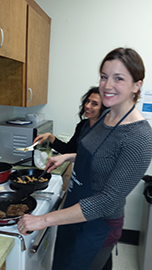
(43,205)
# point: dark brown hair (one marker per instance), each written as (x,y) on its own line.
(132,61)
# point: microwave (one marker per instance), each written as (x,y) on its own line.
(14,136)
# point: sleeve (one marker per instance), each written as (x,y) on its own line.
(71,145)
(131,164)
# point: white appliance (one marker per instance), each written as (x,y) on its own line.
(35,251)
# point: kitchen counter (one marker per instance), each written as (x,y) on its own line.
(6,245)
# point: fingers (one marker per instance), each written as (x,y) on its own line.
(41,138)
(38,138)
(20,226)
(50,164)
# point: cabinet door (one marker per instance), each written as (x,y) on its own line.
(38,43)
(13,29)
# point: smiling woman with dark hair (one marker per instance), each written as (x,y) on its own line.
(90,110)
(111,159)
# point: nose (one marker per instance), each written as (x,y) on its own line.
(88,105)
(108,84)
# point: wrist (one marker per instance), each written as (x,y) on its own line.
(51,138)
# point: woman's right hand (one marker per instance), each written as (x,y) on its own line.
(43,137)
(56,161)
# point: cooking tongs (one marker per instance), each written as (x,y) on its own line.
(20,195)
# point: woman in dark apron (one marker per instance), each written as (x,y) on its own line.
(111,159)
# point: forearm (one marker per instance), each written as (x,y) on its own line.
(70,157)
(69,215)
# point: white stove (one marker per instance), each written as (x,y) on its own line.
(34,251)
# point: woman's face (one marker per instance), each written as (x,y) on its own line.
(92,107)
(116,84)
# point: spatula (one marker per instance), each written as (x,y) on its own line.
(28,148)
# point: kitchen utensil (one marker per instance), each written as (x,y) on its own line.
(24,192)
(28,148)
(5,169)
(43,195)
(13,178)
(8,196)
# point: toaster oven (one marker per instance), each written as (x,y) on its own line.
(14,136)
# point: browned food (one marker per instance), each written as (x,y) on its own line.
(16,210)
(29,180)
(2,214)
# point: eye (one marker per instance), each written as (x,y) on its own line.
(118,79)
(94,103)
(103,77)
(87,101)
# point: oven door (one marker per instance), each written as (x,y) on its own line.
(42,249)
(39,253)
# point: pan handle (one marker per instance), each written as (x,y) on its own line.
(22,161)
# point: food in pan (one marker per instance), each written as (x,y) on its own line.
(2,214)
(27,179)
(16,210)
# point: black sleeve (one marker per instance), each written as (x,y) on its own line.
(71,145)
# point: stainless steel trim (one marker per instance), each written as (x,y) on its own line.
(30,94)
(19,236)
(2,37)
(42,195)
(35,245)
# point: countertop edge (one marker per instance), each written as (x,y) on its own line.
(7,243)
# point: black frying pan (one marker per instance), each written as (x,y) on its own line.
(6,168)
(29,172)
(4,196)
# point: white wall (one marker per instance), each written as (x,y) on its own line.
(83,31)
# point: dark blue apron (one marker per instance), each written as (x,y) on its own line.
(77,244)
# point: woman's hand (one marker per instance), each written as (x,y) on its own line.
(54,162)
(57,161)
(43,137)
(30,223)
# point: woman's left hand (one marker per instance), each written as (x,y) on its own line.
(30,223)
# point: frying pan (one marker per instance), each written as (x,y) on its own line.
(30,202)
(29,172)
(5,169)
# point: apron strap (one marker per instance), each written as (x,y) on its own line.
(117,124)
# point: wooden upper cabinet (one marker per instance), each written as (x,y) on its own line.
(13,29)
(24,53)
(38,44)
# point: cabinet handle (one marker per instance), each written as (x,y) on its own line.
(30,94)
(2,37)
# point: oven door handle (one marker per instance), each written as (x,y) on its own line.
(35,245)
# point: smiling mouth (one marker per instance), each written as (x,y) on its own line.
(109,95)
(88,112)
